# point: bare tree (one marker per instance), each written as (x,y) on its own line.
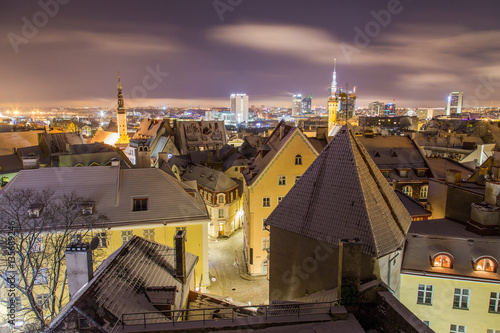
(35,229)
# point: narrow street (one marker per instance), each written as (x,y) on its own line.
(227,266)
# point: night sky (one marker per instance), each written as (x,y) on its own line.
(202,51)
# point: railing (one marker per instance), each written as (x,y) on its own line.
(174,318)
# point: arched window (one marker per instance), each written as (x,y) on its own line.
(486,264)
(408,190)
(442,260)
(221,198)
(298,160)
(423,191)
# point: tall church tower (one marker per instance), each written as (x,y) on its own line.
(333,102)
(121,116)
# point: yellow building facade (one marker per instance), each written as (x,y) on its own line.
(264,190)
(436,307)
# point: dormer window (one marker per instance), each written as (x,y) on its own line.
(221,198)
(35,210)
(386,172)
(442,260)
(87,207)
(485,264)
(140,204)
(403,173)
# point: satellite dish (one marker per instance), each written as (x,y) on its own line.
(94,243)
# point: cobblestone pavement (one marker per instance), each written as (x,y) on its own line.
(227,266)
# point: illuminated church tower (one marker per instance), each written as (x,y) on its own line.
(333,103)
(121,116)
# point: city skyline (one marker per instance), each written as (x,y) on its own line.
(181,54)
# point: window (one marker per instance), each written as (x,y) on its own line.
(426,322)
(16,302)
(408,190)
(442,260)
(298,160)
(221,198)
(385,173)
(492,331)
(461,299)
(265,243)
(420,173)
(126,235)
(140,205)
(221,213)
(403,173)
(297,178)
(43,301)
(279,199)
(87,207)
(149,234)
(457,328)
(494,303)
(263,224)
(41,276)
(281,180)
(103,239)
(424,294)
(236,169)
(423,191)
(231,195)
(485,264)
(38,244)
(266,202)
(34,210)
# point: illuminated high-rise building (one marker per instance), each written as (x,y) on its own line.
(239,108)
(390,109)
(376,108)
(121,115)
(454,103)
(296,104)
(306,104)
(341,103)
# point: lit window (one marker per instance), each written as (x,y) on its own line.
(282,180)
(424,294)
(43,301)
(266,202)
(126,235)
(140,205)
(403,173)
(494,302)
(457,328)
(231,196)
(408,190)
(442,260)
(41,276)
(486,264)
(221,213)
(461,299)
(279,199)
(265,243)
(221,198)
(298,160)
(149,234)
(423,191)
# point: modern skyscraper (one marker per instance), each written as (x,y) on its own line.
(390,109)
(341,102)
(454,103)
(121,116)
(376,108)
(296,104)
(239,108)
(306,104)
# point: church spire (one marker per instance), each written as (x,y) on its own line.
(121,108)
(333,89)
(121,115)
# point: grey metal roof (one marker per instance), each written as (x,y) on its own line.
(209,178)
(118,284)
(393,152)
(343,195)
(9,140)
(57,142)
(427,238)
(113,190)
(413,206)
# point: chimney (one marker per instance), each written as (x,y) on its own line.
(453,176)
(491,192)
(180,255)
(483,172)
(78,266)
